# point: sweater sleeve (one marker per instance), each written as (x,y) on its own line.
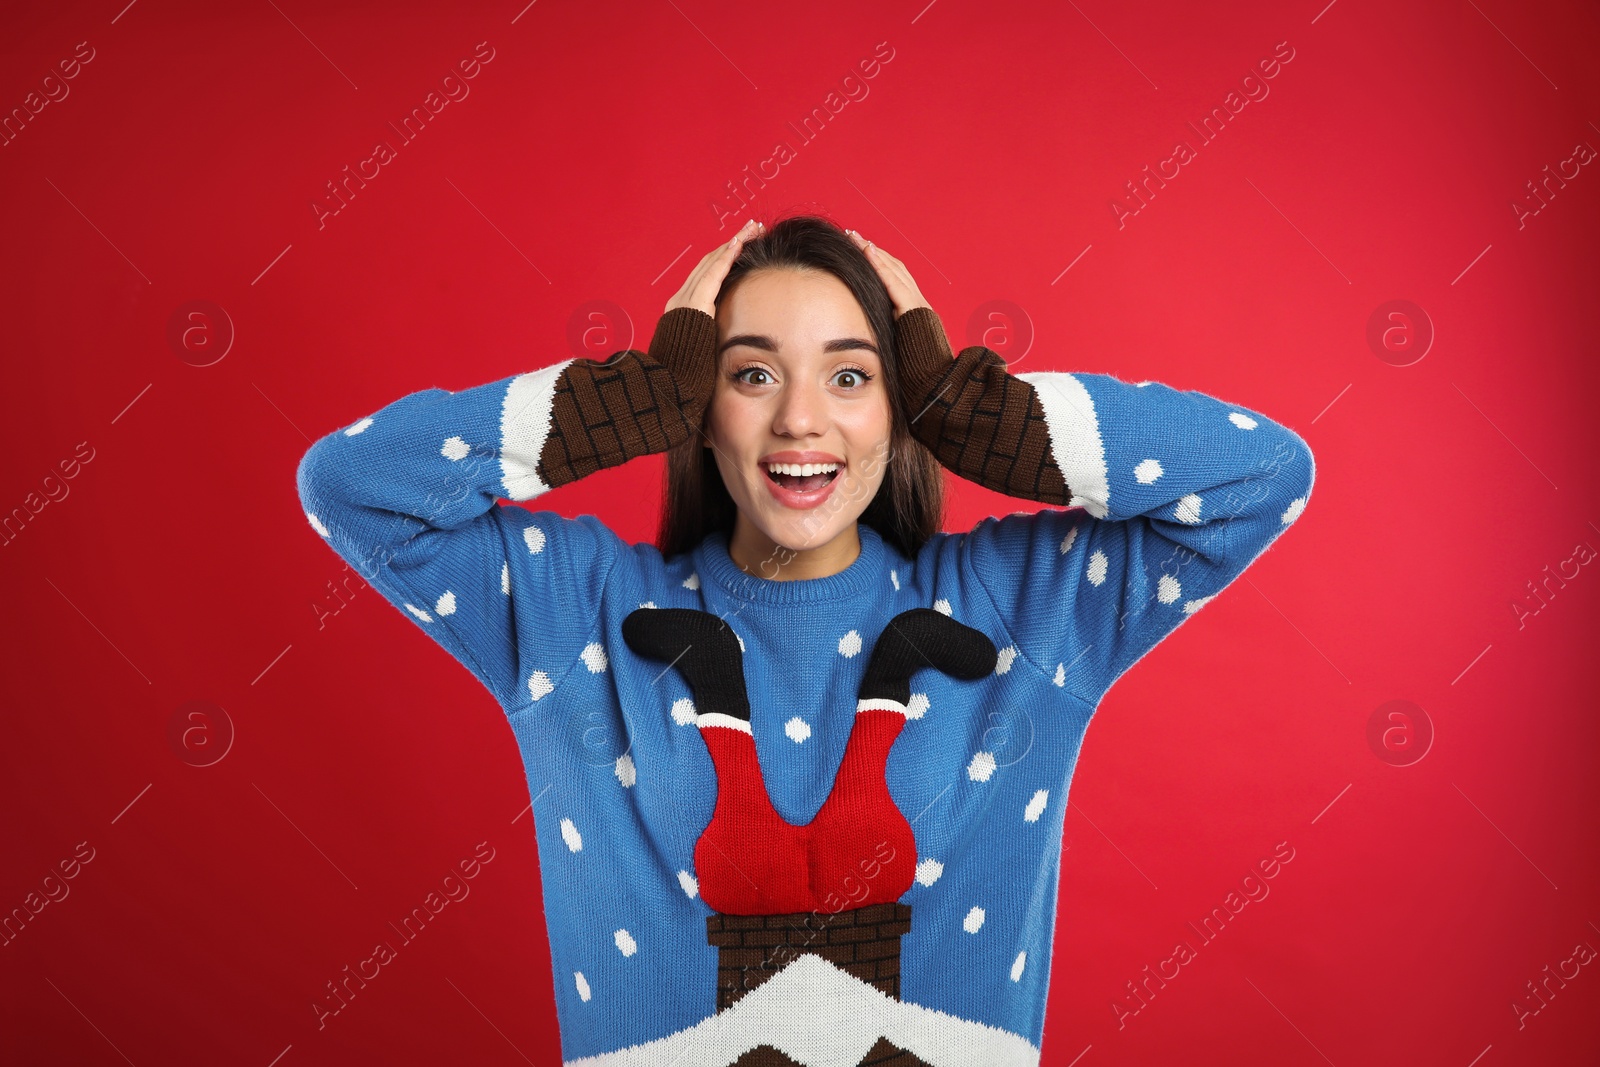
(1172,493)
(409,496)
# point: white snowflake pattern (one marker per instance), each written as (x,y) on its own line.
(1036,806)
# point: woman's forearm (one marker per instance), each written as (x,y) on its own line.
(979,421)
(604,414)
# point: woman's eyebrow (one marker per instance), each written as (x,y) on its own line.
(766,344)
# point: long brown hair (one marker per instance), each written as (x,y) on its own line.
(909,506)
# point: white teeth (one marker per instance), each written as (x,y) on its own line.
(802,470)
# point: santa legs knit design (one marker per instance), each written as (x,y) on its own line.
(859,847)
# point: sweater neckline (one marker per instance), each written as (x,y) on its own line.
(712,560)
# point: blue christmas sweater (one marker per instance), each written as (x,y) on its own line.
(810,821)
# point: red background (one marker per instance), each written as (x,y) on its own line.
(584,166)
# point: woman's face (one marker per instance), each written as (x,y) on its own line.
(798,372)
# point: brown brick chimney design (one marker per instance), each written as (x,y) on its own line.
(864,942)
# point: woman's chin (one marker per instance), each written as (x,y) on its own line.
(805,531)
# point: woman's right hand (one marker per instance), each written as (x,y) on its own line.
(700,291)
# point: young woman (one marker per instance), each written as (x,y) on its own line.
(799,771)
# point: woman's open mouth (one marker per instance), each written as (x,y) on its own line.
(801,485)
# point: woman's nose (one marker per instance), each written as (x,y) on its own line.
(801,410)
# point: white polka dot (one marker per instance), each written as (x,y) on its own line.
(1292,512)
(1061,675)
(594,657)
(446,604)
(358,427)
(1097,567)
(569,834)
(316,524)
(583,985)
(534,538)
(1035,806)
(1147,471)
(626,774)
(850,644)
(942,607)
(1016,968)
(419,613)
(1241,420)
(539,684)
(692,582)
(1141,385)
(687,882)
(505,578)
(1168,589)
(683,712)
(981,767)
(974,920)
(929,870)
(648,604)
(894,579)
(1188,509)
(625,943)
(797,729)
(1192,606)
(1002,662)
(739,639)
(1066,542)
(455,449)
(918,707)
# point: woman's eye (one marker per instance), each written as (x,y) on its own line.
(854,377)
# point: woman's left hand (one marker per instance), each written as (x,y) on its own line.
(902,288)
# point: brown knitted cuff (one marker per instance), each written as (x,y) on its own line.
(685,343)
(924,353)
(981,422)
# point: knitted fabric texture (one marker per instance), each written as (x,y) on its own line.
(814,821)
